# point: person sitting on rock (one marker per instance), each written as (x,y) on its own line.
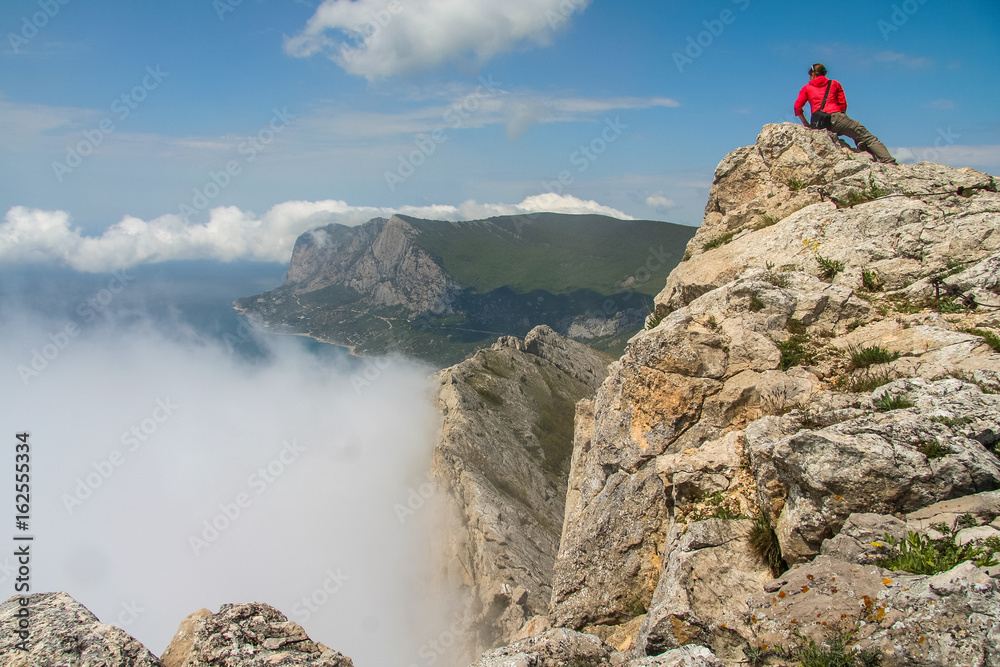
(821,89)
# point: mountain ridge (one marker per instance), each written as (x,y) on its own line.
(440,290)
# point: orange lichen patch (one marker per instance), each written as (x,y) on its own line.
(880,614)
(833,578)
(833,589)
(794,621)
(838,497)
(922,640)
(886,581)
(782,594)
(805,589)
(810,577)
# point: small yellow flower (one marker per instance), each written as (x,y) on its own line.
(876,544)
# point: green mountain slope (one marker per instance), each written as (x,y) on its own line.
(440,290)
(555,252)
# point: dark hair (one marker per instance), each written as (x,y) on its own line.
(818,69)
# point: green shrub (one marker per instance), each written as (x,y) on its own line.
(870,280)
(947,305)
(756,304)
(920,554)
(933,449)
(862,383)
(795,184)
(828,268)
(991,339)
(855,323)
(793,351)
(764,542)
(886,403)
(719,241)
(863,357)
(653,320)
(776,279)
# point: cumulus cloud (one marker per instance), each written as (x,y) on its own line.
(37,236)
(956,155)
(660,203)
(377,39)
(174,475)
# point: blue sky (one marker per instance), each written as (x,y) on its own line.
(223,128)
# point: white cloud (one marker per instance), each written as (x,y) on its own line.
(34,235)
(660,203)
(149,432)
(979,157)
(377,39)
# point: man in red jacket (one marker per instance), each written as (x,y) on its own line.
(836,106)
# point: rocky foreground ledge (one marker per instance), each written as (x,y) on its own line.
(64,632)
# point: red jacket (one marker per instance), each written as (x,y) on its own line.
(814,91)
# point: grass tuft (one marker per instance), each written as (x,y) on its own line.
(795,184)
(718,241)
(933,449)
(920,554)
(887,403)
(828,268)
(870,280)
(863,357)
(765,221)
(764,542)
(793,351)
(990,338)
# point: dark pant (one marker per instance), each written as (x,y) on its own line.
(843,124)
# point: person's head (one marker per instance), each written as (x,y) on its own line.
(817,70)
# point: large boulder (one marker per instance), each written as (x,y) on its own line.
(885,462)
(247,635)
(64,632)
(555,648)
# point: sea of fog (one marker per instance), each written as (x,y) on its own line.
(179,461)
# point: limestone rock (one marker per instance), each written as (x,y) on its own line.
(939,620)
(686,656)
(555,648)
(247,635)
(503,460)
(64,632)
(812,480)
(922,225)
(709,570)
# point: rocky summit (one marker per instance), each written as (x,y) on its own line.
(794,462)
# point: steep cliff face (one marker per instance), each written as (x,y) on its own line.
(378,260)
(797,367)
(502,460)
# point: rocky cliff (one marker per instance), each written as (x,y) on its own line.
(503,460)
(820,374)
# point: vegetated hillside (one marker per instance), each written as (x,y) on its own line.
(559,254)
(440,290)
